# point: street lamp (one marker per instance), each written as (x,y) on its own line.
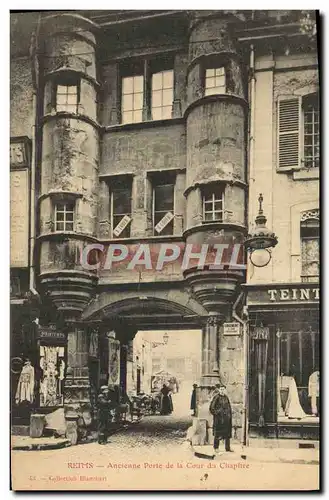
(261,240)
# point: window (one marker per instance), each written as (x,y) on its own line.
(215,81)
(163,209)
(298,132)
(132,99)
(310,250)
(121,208)
(311,132)
(213,204)
(67,98)
(162,94)
(64,216)
(147,90)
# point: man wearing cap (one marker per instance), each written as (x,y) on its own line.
(220,408)
(103,414)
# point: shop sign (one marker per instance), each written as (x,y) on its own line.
(122,225)
(19,218)
(231,328)
(283,294)
(50,333)
(164,222)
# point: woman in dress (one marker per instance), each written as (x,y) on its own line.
(166,407)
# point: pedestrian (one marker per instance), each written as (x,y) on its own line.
(193,400)
(104,416)
(220,408)
(166,401)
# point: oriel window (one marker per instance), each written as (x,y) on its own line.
(213,204)
(215,81)
(67,98)
(64,216)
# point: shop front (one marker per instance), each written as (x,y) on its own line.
(284,360)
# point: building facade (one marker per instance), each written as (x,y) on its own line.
(162,128)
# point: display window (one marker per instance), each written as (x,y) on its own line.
(52,373)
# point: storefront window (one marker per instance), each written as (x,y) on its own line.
(298,375)
(52,367)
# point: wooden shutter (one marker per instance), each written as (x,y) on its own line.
(289,132)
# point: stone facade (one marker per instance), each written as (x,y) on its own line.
(79,155)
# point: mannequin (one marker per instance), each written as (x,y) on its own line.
(25,388)
(313,391)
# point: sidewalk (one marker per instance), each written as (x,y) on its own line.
(275,454)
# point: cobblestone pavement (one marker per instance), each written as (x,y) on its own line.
(151,454)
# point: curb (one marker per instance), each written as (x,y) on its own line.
(42,446)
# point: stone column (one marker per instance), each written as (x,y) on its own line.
(179,204)
(104,210)
(77,405)
(138,223)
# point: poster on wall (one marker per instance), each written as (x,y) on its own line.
(114,361)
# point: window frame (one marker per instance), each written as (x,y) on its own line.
(64,221)
(214,68)
(211,190)
(146,68)
(114,186)
(68,81)
(304,101)
(169,179)
(308,229)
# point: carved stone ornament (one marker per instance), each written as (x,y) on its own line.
(310,214)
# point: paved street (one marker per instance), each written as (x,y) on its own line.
(152,454)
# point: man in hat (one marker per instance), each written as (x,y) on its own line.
(193,400)
(220,408)
(103,414)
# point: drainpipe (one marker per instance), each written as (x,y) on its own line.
(33,55)
(252,91)
(244,324)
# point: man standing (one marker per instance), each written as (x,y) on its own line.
(103,414)
(220,408)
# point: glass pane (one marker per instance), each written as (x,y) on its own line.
(308,139)
(72,99)
(69,216)
(60,226)
(210,72)
(220,71)
(308,129)
(157,113)
(157,98)
(127,85)
(218,215)
(218,205)
(219,90)
(127,117)
(166,112)
(168,79)
(60,216)
(164,198)
(121,201)
(208,216)
(138,101)
(157,81)
(137,116)
(220,81)
(127,102)
(72,89)
(60,207)
(167,97)
(210,82)
(61,98)
(69,226)
(61,89)
(69,207)
(138,83)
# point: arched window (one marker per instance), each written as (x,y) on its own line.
(310,252)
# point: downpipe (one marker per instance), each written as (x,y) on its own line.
(245,401)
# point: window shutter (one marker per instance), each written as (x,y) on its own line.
(289,132)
